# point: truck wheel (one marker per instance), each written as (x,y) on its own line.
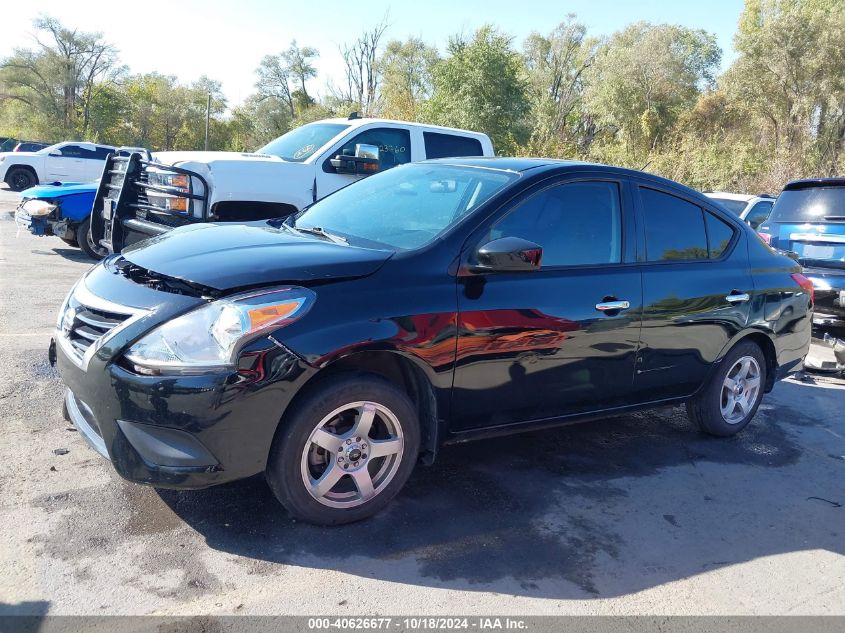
(83,236)
(730,399)
(20,178)
(69,242)
(344,450)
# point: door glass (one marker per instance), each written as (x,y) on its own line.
(719,235)
(758,214)
(674,228)
(450,145)
(394,147)
(71,151)
(576,223)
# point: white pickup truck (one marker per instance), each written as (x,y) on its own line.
(139,198)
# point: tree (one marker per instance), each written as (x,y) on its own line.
(556,64)
(481,86)
(61,77)
(644,77)
(406,68)
(362,71)
(790,75)
(298,63)
(274,81)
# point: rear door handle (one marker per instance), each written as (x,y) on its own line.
(738,297)
(610,306)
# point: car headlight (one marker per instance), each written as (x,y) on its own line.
(180,181)
(210,337)
(39,208)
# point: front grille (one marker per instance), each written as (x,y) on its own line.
(83,326)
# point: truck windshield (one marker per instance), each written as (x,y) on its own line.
(297,145)
(406,207)
(811,204)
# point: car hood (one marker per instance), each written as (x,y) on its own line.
(210,158)
(59,189)
(230,256)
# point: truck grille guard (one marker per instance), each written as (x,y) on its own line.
(122,202)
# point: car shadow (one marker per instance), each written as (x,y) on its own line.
(603,508)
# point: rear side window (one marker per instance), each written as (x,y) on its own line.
(674,228)
(813,204)
(102,152)
(719,235)
(578,223)
(450,145)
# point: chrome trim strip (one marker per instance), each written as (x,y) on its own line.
(95,441)
(85,297)
(817,237)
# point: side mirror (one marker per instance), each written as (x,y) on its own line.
(508,254)
(365,161)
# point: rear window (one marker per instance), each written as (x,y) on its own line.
(674,227)
(450,145)
(814,204)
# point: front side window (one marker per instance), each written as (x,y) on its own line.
(450,145)
(299,144)
(404,209)
(394,147)
(674,228)
(102,153)
(71,151)
(576,223)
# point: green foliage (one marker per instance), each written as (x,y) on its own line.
(645,97)
(481,85)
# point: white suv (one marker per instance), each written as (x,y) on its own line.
(753,209)
(70,161)
(140,198)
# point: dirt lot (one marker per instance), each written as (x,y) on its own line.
(637,514)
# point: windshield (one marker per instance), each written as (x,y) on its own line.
(49,149)
(734,206)
(814,204)
(300,143)
(405,207)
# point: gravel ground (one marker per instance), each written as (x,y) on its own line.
(633,515)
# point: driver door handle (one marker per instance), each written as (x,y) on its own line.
(609,306)
(738,297)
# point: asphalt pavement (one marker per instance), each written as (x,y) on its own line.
(638,514)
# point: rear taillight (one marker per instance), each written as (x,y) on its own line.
(806,284)
(766,237)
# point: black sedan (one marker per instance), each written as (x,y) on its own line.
(433,303)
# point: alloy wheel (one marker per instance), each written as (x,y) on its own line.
(740,390)
(352,454)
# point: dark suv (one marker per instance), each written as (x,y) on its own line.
(433,303)
(808,219)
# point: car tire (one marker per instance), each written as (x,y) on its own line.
(83,237)
(344,450)
(70,242)
(20,178)
(728,402)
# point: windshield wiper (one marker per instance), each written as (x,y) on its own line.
(321,232)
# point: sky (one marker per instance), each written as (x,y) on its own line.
(226,39)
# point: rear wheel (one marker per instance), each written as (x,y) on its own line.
(727,403)
(344,451)
(83,237)
(20,178)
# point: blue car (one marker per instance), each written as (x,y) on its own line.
(808,220)
(63,210)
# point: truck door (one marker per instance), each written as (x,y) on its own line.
(394,144)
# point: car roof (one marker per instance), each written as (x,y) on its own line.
(808,183)
(553,165)
(726,195)
(360,121)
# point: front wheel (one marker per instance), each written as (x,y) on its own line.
(730,399)
(344,451)
(20,178)
(86,243)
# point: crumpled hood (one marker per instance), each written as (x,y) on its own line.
(229,256)
(59,189)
